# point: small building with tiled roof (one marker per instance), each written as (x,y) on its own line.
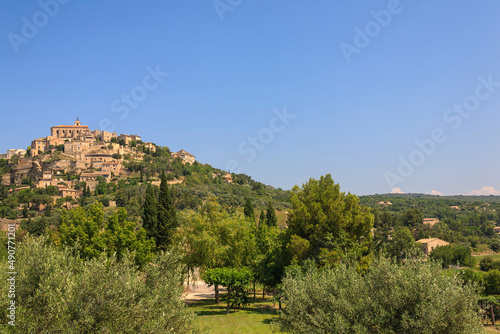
(428,245)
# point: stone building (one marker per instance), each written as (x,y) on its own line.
(128,138)
(76,147)
(91,158)
(184,156)
(428,245)
(150,146)
(38,145)
(53,141)
(104,136)
(111,167)
(90,179)
(13,152)
(430,221)
(75,131)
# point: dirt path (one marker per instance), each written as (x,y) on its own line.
(199,290)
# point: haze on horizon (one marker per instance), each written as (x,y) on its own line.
(384,95)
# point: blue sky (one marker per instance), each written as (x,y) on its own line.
(360,81)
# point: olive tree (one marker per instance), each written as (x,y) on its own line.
(414,297)
(59,292)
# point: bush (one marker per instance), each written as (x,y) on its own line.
(414,297)
(487,263)
(452,254)
(492,282)
(58,293)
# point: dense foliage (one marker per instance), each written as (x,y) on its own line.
(59,292)
(390,298)
(328,223)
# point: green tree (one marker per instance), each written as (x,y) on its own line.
(492,282)
(452,254)
(262,217)
(149,213)
(321,213)
(234,279)
(412,218)
(120,237)
(89,235)
(403,244)
(166,221)
(414,297)
(249,211)
(271,218)
(102,295)
(214,238)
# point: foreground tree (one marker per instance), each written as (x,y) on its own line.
(403,245)
(214,238)
(167,220)
(58,292)
(89,235)
(390,298)
(331,221)
(234,279)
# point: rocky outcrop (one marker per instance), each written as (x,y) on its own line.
(26,167)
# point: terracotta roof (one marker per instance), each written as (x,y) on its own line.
(425,241)
(70,126)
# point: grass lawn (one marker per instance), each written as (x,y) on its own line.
(254,318)
(492,330)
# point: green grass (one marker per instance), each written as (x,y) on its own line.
(254,318)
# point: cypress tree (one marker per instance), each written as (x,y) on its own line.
(262,218)
(249,212)
(149,213)
(88,191)
(167,222)
(271,218)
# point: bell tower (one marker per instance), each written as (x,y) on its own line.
(77,122)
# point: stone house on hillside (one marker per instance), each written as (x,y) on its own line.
(75,131)
(128,138)
(430,221)
(75,147)
(150,146)
(104,136)
(184,156)
(38,145)
(428,245)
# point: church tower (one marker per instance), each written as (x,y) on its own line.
(77,122)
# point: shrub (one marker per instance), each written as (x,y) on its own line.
(492,282)
(452,254)
(59,293)
(414,297)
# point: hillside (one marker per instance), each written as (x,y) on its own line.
(75,166)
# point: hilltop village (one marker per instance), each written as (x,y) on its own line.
(75,160)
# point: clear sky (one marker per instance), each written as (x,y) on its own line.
(281,90)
